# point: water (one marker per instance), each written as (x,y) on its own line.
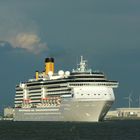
(108,130)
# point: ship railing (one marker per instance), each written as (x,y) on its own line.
(114,85)
(59,93)
(58,89)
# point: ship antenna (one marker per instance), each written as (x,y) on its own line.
(82,66)
(81,59)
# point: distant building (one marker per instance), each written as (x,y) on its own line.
(8,112)
(124,112)
(128,112)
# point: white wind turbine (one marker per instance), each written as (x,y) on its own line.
(129,100)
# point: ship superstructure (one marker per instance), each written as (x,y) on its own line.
(80,95)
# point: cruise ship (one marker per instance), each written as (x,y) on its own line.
(81,95)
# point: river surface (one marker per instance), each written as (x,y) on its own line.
(108,130)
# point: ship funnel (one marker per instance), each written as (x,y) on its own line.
(36,75)
(49,65)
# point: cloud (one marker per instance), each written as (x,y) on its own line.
(31,42)
(20,30)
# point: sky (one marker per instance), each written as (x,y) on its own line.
(106,33)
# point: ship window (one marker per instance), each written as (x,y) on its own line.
(94,94)
(81,94)
(105,94)
(88,94)
(98,94)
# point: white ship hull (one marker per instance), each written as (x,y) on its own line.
(82,111)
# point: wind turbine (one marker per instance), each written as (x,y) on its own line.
(138,100)
(129,100)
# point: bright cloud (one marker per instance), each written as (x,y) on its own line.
(31,42)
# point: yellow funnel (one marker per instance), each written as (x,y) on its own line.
(49,65)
